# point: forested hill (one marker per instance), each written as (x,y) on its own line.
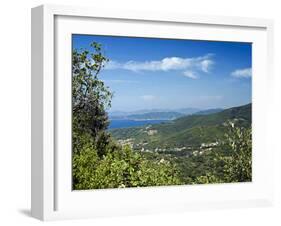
(187,130)
(242,114)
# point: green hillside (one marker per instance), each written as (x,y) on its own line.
(187,131)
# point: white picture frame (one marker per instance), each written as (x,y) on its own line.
(52,197)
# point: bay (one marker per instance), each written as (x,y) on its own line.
(125,123)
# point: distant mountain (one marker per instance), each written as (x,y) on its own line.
(187,111)
(165,114)
(208,111)
(186,131)
(150,116)
(160,114)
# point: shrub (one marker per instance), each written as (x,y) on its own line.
(120,168)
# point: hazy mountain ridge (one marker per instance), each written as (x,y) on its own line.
(159,114)
(143,111)
(149,116)
(209,111)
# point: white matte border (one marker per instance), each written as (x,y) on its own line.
(113,200)
(92,203)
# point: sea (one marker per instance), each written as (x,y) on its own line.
(125,123)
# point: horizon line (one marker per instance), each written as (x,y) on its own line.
(175,109)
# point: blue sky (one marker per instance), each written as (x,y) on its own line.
(146,73)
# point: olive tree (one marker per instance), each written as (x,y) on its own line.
(90,97)
(237,163)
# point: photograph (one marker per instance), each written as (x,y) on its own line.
(160,112)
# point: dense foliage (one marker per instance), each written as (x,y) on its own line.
(119,169)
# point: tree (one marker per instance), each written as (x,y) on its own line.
(90,97)
(237,164)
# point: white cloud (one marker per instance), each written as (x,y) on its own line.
(242,73)
(148,97)
(190,74)
(201,64)
(206,65)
